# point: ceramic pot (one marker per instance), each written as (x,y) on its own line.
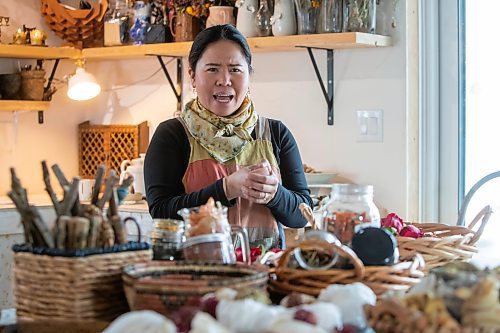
(136,169)
(184,27)
(219,15)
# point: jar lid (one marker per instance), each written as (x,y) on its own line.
(352,189)
(375,247)
(168,224)
(208,238)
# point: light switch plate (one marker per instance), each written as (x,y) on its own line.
(370,125)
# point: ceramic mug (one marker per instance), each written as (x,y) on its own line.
(85,189)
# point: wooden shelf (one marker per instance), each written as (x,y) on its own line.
(38,52)
(343,40)
(257,44)
(11,105)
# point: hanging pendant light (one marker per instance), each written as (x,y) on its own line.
(82,85)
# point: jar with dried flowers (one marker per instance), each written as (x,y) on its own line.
(307,15)
(360,15)
(221,12)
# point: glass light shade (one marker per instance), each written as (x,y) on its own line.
(83,86)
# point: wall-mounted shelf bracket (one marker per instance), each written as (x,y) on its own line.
(47,93)
(327,92)
(176,89)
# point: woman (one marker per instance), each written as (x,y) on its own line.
(221,148)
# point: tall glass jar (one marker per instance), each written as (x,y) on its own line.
(307,16)
(330,16)
(351,208)
(360,16)
(263,19)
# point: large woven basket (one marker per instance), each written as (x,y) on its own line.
(75,288)
(448,243)
(399,277)
(165,286)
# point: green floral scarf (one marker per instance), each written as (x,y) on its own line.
(223,137)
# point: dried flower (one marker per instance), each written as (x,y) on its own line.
(196,8)
(411,231)
(393,221)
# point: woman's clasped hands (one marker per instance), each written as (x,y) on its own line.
(257,183)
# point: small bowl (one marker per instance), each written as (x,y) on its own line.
(10,85)
(320,178)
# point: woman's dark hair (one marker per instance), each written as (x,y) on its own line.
(215,34)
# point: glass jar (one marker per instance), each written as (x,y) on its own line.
(209,237)
(360,16)
(307,16)
(330,16)
(263,19)
(167,239)
(350,208)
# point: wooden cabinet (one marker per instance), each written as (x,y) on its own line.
(109,145)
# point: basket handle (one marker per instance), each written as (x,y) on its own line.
(484,215)
(314,244)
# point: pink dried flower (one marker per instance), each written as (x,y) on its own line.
(393,221)
(411,231)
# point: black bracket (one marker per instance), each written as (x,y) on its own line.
(47,94)
(329,65)
(177,90)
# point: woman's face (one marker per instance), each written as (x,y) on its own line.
(221,77)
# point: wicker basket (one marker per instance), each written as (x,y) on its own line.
(166,286)
(449,243)
(87,287)
(399,277)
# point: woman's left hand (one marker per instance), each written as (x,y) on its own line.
(261,184)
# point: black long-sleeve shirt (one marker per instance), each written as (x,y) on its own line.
(167,160)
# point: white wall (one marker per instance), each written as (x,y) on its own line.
(284,86)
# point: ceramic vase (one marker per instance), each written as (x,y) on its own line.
(245,21)
(283,21)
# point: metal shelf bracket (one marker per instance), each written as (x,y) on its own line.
(327,92)
(47,93)
(177,90)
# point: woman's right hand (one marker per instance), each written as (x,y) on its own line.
(235,182)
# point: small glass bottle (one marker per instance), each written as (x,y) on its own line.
(263,19)
(351,207)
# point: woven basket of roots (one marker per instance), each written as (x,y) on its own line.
(443,243)
(80,27)
(56,286)
(287,278)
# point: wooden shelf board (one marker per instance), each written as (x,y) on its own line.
(38,52)
(257,44)
(12,105)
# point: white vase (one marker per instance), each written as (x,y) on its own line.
(218,15)
(245,21)
(284,21)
